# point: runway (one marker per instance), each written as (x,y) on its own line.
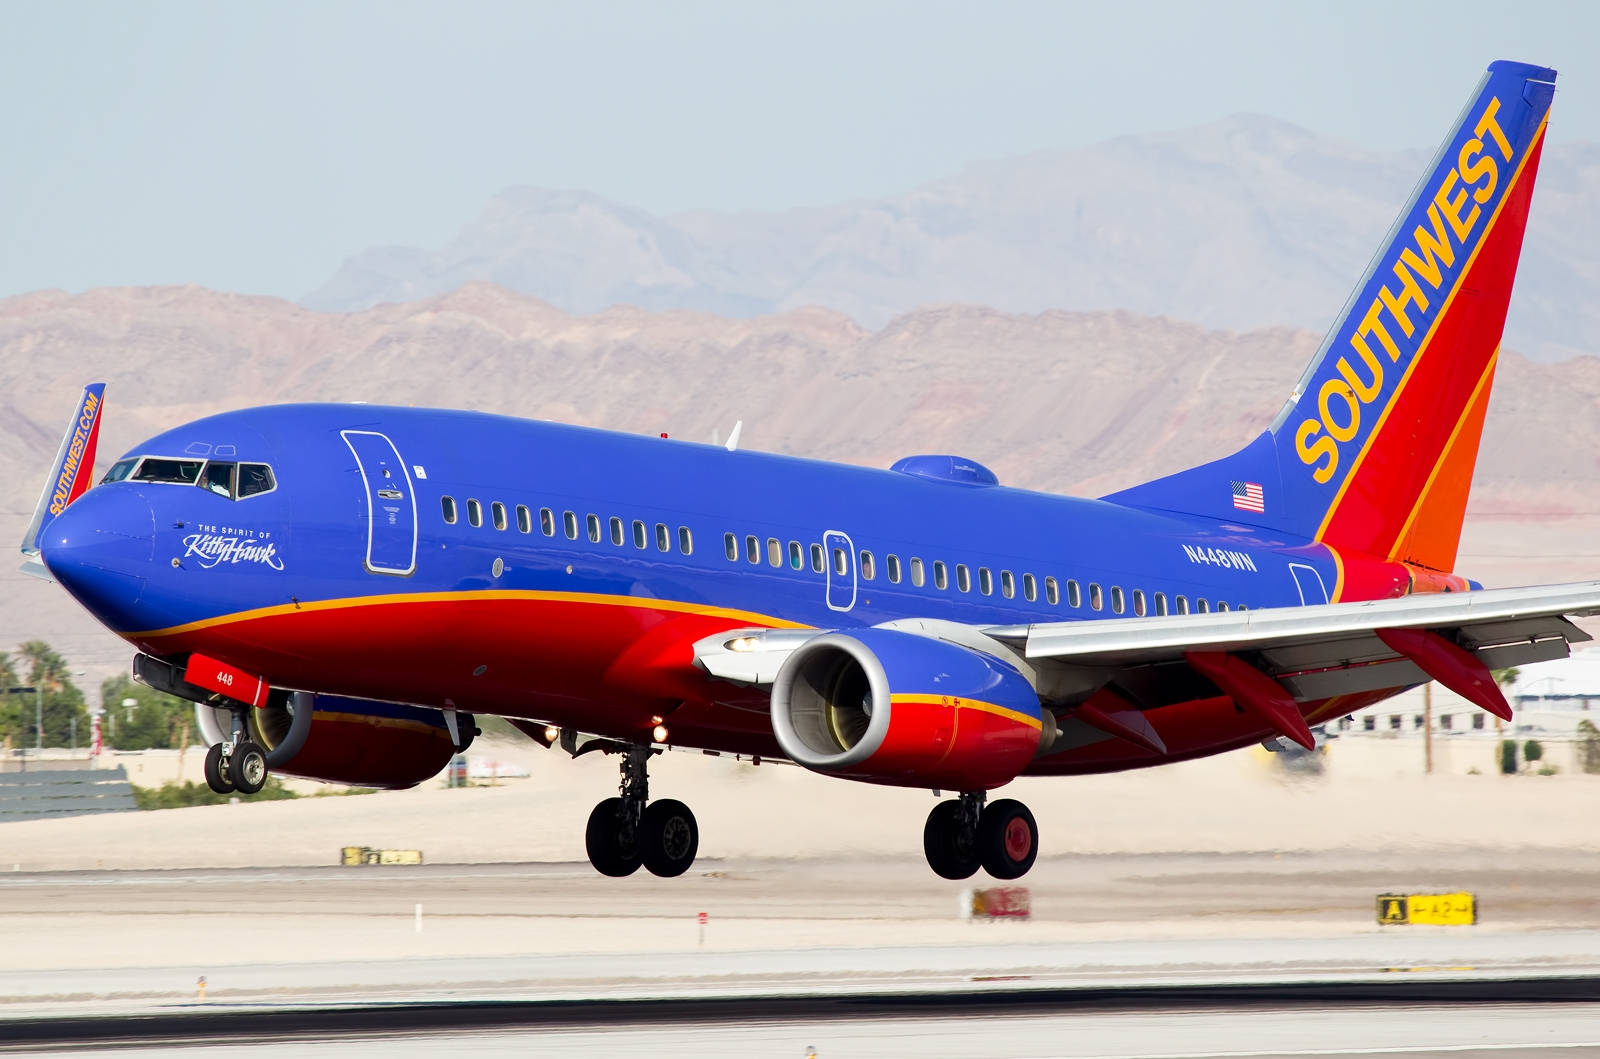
(1237,954)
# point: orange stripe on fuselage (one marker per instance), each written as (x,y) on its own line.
(351,602)
(1393,463)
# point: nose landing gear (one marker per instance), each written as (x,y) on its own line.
(625,832)
(964,834)
(238,764)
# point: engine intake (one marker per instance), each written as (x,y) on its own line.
(892,707)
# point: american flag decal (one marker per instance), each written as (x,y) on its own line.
(1247,497)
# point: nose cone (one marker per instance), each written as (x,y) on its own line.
(100,550)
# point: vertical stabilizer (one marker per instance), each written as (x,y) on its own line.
(1375,448)
(73,470)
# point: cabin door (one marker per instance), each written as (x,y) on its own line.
(1309,582)
(391,503)
(839,557)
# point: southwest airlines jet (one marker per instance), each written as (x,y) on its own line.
(340,588)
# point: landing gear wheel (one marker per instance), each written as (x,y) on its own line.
(1008,839)
(603,840)
(247,768)
(217,772)
(670,838)
(942,842)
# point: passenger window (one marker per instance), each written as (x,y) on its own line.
(774,552)
(218,478)
(1008,586)
(1096,599)
(254,478)
(616,531)
(797,559)
(1074,594)
(1138,602)
(474,512)
(730,544)
(940,578)
(891,563)
(593,522)
(1116,599)
(497,511)
(841,562)
(963,578)
(1183,604)
(547,522)
(1161,603)
(663,537)
(181,472)
(985,581)
(752,549)
(1200,607)
(1030,588)
(685,541)
(1052,591)
(916,571)
(816,558)
(869,570)
(447,507)
(640,538)
(570,522)
(524,520)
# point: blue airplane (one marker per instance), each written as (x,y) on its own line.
(341,588)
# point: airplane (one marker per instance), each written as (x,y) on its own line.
(342,588)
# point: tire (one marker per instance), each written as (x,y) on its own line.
(1008,839)
(670,837)
(602,840)
(941,843)
(217,773)
(247,769)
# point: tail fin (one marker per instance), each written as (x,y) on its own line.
(1374,450)
(73,470)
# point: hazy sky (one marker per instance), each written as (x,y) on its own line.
(251,147)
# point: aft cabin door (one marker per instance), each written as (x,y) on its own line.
(1309,582)
(839,555)
(391,503)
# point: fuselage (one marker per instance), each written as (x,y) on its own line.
(560,574)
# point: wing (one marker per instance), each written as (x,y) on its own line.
(1274,662)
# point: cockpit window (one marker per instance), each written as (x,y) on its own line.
(255,478)
(120,470)
(156,469)
(218,478)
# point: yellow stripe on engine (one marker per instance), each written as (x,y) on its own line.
(970,704)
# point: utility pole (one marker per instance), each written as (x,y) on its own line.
(1427,728)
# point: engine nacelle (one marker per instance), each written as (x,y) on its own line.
(892,707)
(355,741)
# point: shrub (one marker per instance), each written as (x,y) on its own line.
(1508,757)
(1588,746)
(183,795)
(1532,751)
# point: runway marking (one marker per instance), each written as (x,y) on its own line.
(1410,1049)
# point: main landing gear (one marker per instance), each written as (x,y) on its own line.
(962,835)
(625,832)
(238,764)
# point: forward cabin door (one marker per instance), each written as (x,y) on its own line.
(391,503)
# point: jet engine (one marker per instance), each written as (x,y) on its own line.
(355,741)
(896,708)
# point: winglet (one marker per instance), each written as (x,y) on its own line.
(73,469)
(733,438)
